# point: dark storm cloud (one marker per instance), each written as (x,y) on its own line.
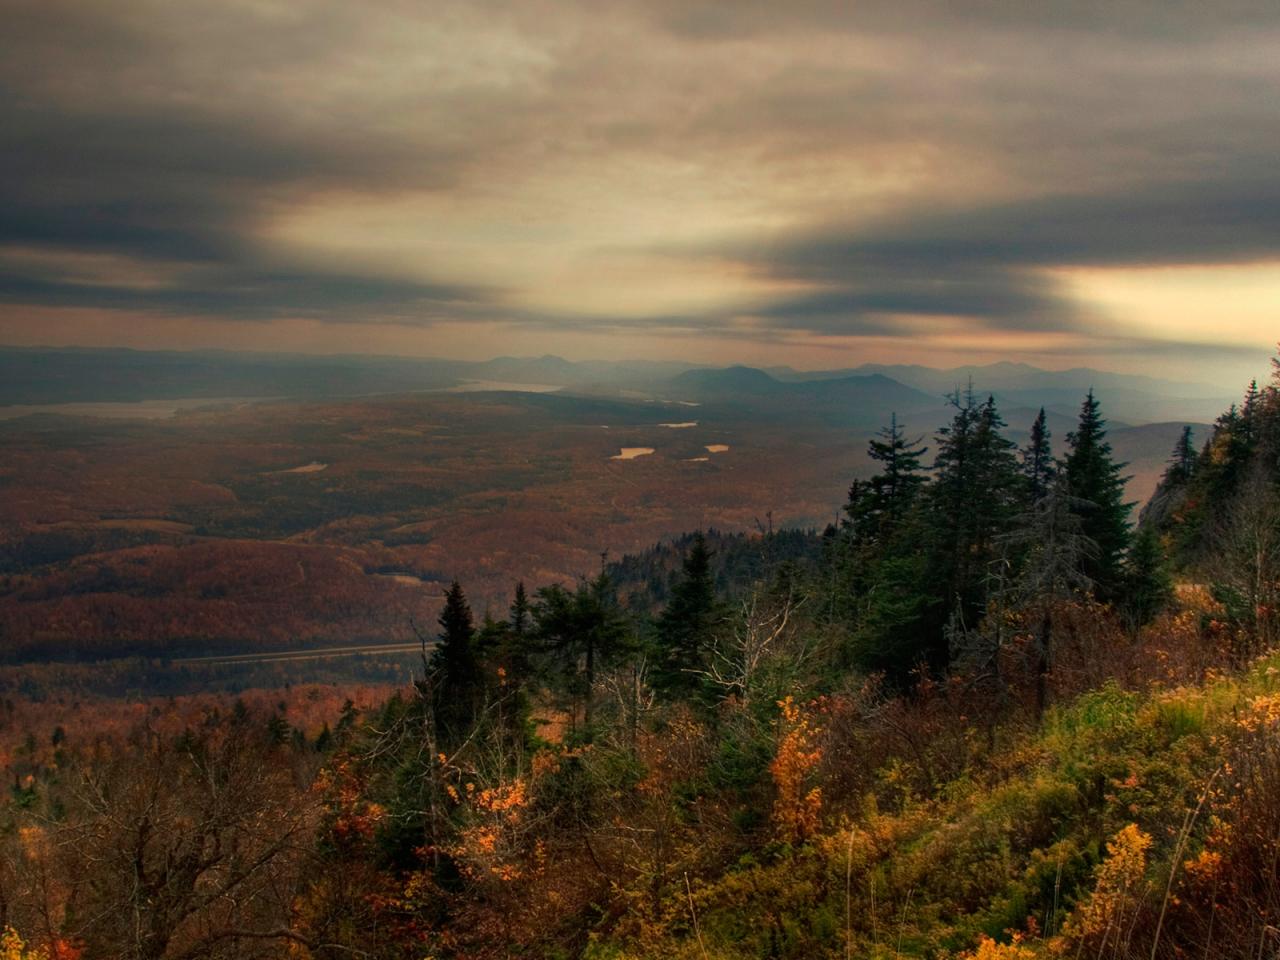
(107,147)
(873,305)
(988,263)
(875,162)
(1195,222)
(184,193)
(711,19)
(247,292)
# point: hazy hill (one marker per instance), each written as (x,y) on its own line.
(1007,375)
(1146,449)
(48,376)
(550,369)
(848,400)
(1127,397)
(840,397)
(729,382)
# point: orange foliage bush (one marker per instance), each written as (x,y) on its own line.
(1119,890)
(797,808)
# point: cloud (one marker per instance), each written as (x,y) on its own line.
(915,168)
(708,19)
(993,263)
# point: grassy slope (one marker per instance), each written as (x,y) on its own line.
(1008,847)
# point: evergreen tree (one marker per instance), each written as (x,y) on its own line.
(324,740)
(1056,551)
(457,681)
(1167,506)
(876,512)
(580,632)
(876,507)
(1269,421)
(1037,459)
(889,634)
(513,651)
(974,499)
(506,669)
(1182,462)
(277,729)
(1148,586)
(1250,412)
(685,628)
(519,617)
(346,722)
(1219,474)
(1095,483)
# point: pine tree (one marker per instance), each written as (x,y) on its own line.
(1055,551)
(580,632)
(890,633)
(878,506)
(1224,462)
(974,498)
(457,681)
(513,653)
(324,739)
(1037,459)
(1096,484)
(876,514)
(1148,586)
(519,617)
(1249,416)
(1167,507)
(685,628)
(277,729)
(346,721)
(1182,462)
(1269,420)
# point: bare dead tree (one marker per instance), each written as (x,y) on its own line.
(1248,549)
(182,849)
(759,632)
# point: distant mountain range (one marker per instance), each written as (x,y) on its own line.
(853,395)
(1007,375)
(851,400)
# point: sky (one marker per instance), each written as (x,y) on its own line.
(816,183)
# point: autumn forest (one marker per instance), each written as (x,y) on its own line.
(980,705)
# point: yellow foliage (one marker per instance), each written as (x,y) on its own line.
(492,843)
(1204,868)
(796,811)
(1117,887)
(13,947)
(988,949)
(1263,714)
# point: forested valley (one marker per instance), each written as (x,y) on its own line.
(996,711)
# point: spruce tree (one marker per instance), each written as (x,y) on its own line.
(1056,551)
(1249,415)
(515,653)
(519,617)
(1037,459)
(1096,485)
(1269,420)
(580,633)
(974,498)
(1219,475)
(1182,462)
(1167,507)
(890,634)
(277,729)
(877,513)
(685,628)
(876,507)
(457,682)
(1148,586)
